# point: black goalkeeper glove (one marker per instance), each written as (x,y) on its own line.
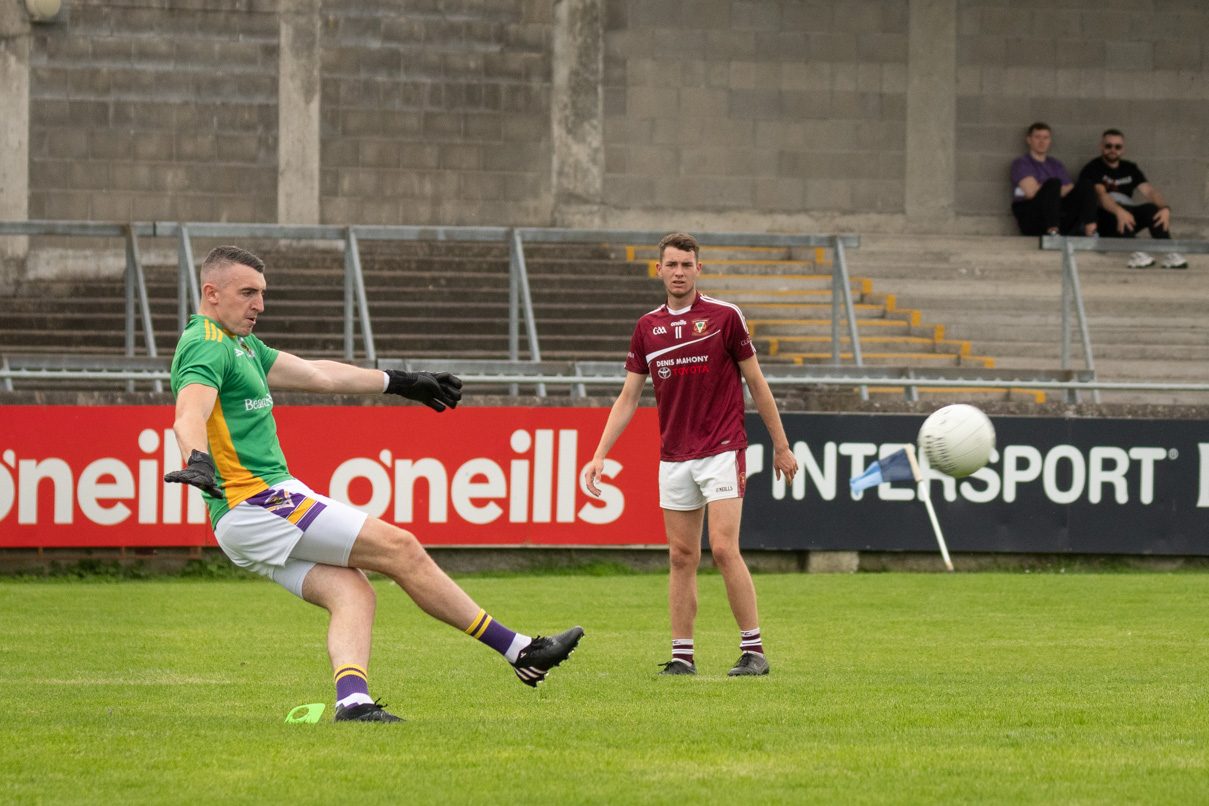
(438,391)
(199,472)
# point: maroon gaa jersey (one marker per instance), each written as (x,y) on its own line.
(692,357)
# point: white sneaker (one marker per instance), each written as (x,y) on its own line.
(1140,260)
(1174,260)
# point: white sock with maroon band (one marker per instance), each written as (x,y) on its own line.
(749,641)
(682,650)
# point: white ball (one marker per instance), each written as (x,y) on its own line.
(957,439)
(43,9)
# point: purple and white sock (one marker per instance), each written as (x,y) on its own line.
(682,650)
(497,636)
(749,641)
(352,685)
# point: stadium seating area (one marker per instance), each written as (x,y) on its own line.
(921,301)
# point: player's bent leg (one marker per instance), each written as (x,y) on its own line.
(347,595)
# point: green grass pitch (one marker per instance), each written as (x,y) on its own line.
(885,688)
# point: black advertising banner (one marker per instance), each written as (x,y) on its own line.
(1085,486)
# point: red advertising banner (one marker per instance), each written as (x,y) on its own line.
(74,476)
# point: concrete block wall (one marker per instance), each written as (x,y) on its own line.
(146,109)
(741,114)
(436,112)
(765,107)
(1084,66)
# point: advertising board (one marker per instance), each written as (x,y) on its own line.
(77,476)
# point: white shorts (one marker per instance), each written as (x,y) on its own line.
(284,531)
(692,484)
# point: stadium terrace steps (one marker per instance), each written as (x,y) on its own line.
(920,301)
(1003,295)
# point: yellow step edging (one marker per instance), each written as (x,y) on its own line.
(986,361)
(774,342)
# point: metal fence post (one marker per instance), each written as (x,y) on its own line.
(1081,313)
(135,279)
(349,292)
(352,257)
(514,338)
(129,303)
(1071,395)
(842,268)
(522,280)
(837,296)
(186,285)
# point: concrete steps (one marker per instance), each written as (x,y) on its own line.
(919,300)
(1003,295)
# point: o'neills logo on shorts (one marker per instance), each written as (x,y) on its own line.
(260,403)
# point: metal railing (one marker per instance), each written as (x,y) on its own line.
(356,303)
(135,282)
(1072,295)
(578,375)
(356,299)
(841,296)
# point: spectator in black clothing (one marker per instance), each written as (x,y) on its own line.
(1118,216)
(1044,199)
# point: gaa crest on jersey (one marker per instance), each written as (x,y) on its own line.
(700,325)
(277,502)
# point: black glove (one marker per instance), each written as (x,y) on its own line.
(199,472)
(437,391)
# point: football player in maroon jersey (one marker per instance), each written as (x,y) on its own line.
(696,349)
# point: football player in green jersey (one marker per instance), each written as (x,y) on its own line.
(269,522)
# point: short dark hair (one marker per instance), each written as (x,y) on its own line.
(682,241)
(222,256)
(1039,125)
(1112,133)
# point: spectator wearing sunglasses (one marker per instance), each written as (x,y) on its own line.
(1115,181)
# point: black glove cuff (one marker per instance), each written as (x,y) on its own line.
(196,457)
(399,382)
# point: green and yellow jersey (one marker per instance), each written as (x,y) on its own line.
(241,430)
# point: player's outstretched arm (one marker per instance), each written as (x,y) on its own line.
(784,463)
(438,391)
(619,417)
(324,377)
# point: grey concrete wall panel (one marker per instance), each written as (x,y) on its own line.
(769,114)
(152,110)
(14,134)
(931,113)
(577,112)
(436,112)
(798,115)
(1083,66)
(298,113)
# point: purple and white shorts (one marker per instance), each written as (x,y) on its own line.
(283,532)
